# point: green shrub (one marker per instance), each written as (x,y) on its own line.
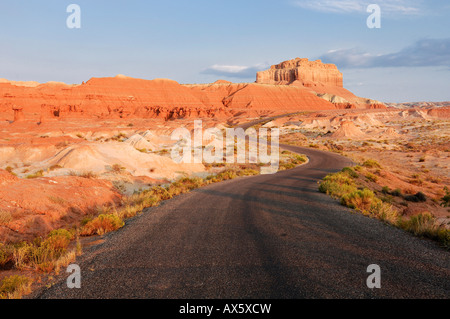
(385,190)
(350,172)
(419,197)
(335,189)
(337,185)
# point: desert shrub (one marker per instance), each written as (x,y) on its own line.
(58,239)
(371,177)
(337,185)
(6,256)
(161,193)
(54,167)
(446,199)
(385,190)
(418,197)
(117,168)
(425,225)
(396,192)
(9,169)
(88,174)
(350,172)
(37,174)
(223,176)
(361,200)
(371,164)
(42,254)
(248,172)
(21,255)
(335,189)
(383,211)
(102,224)
(13,287)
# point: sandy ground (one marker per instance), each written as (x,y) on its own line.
(412,148)
(53,174)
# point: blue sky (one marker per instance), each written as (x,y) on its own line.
(199,41)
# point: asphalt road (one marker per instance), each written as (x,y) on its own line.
(268,236)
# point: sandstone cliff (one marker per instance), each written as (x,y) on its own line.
(302,70)
(323,80)
(290,86)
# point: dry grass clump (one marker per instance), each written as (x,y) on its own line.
(425,225)
(343,186)
(370,163)
(14,287)
(41,254)
(102,224)
(37,174)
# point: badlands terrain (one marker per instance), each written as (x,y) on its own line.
(68,150)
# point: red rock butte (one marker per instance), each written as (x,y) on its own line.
(301,70)
(290,86)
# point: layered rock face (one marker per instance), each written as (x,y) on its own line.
(323,80)
(302,70)
(290,86)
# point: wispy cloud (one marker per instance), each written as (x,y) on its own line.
(402,7)
(234,71)
(426,52)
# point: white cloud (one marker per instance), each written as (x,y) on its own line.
(234,71)
(402,7)
(423,53)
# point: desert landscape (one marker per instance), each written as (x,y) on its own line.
(72,153)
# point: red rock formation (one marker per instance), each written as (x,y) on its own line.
(125,97)
(321,79)
(441,112)
(18,113)
(302,70)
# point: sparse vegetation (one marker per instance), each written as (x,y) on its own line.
(37,174)
(418,197)
(371,177)
(102,224)
(446,199)
(54,167)
(343,186)
(9,169)
(425,225)
(85,174)
(41,254)
(14,287)
(371,164)
(117,168)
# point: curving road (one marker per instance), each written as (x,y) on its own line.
(268,236)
